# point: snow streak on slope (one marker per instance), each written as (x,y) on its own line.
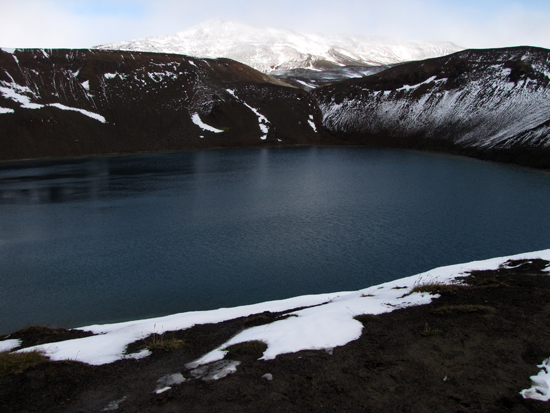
(267,49)
(197,121)
(20,94)
(83,111)
(263,123)
(23,96)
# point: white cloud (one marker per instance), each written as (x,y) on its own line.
(477,26)
(84,23)
(50,23)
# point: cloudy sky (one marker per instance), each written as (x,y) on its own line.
(86,23)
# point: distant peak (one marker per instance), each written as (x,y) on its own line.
(269,48)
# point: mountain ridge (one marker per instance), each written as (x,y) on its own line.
(486,103)
(267,49)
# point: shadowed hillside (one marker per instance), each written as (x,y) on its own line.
(88,102)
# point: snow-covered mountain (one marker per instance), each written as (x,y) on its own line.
(267,49)
(494,104)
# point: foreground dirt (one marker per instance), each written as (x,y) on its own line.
(410,360)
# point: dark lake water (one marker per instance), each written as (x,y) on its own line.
(109,239)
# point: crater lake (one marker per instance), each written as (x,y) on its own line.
(100,240)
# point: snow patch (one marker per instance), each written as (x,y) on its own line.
(165,382)
(213,371)
(197,121)
(312,123)
(307,85)
(7,345)
(409,87)
(92,115)
(139,355)
(6,110)
(19,94)
(540,390)
(86,85)
(114,405)
(110,75)
(158,77)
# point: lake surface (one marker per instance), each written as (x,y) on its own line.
(110,239)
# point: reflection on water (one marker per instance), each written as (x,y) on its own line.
(48,182)
(108,239)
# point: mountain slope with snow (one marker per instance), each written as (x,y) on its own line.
(489,103)
(89,102)
(268,49)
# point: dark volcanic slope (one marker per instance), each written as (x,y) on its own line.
(84,102)
(494,104)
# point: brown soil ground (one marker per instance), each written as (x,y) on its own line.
(410,360)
